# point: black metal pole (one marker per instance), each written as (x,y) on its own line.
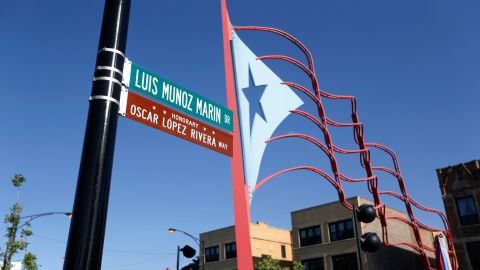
(201,256)
(178,257)
(357,235)
(87,229)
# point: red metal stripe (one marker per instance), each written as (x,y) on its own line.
(364,155)
(240,189)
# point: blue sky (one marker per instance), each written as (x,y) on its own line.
(413,65)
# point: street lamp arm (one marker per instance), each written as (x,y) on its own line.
(32,217)
(189,235)
(199,243)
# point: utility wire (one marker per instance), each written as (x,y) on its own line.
(111,250)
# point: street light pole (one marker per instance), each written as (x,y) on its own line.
(178,257)
(32,217)
(198,241)
(8,255)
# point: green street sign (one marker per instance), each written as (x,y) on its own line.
(172,94)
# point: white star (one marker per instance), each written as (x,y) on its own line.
(154,107)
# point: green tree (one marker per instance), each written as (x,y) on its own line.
(272,264)
(298,266)
(269,264)
(12,221)
(30,262)
(194,265)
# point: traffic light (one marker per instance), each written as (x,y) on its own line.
(188,251)
(369,241)
(366,213)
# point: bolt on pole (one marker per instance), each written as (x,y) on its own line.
(87,230)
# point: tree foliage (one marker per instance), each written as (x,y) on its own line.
(18,180)
(269,264)
(194,265)
(272,264)
(14,226)
(298,266)
(30,262)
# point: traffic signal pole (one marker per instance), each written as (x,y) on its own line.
(178,257)
(87,229)
(357,236)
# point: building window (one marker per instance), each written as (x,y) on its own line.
(473,250)
(345,262)
(310,236)
(230,251)
(266,256)
(284,252)
(212,254)
(313,264)
(341,230)
(467,211)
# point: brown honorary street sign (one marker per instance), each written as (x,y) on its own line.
(175,123)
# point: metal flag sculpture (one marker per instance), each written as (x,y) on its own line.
(261,108)
(255,119)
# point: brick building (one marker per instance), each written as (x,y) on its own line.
(460,188)
(332,245)
(267,241)
(322,238)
